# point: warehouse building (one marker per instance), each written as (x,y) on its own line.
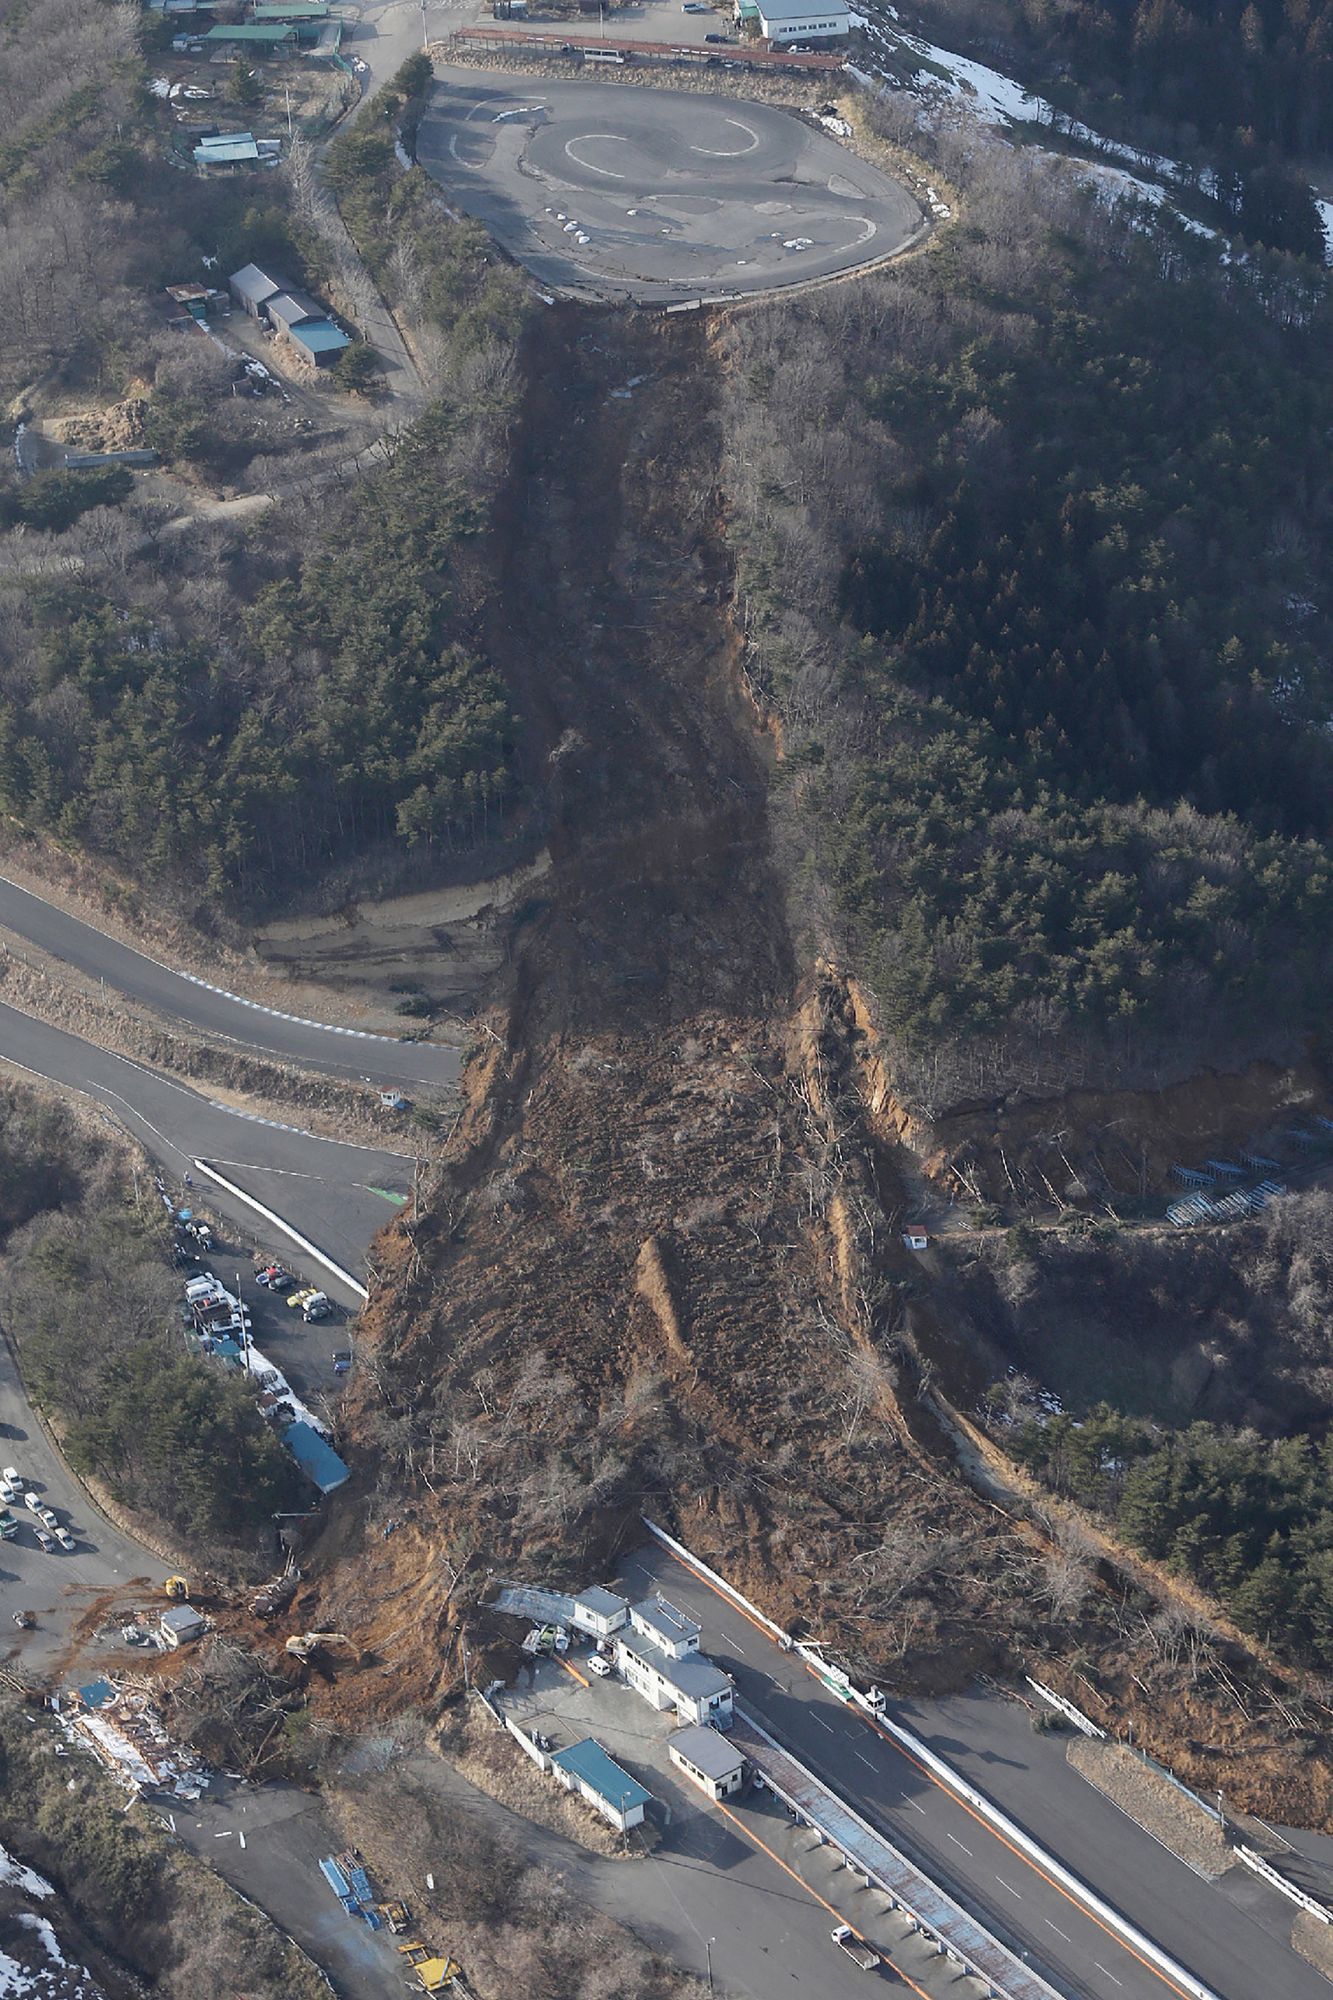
(784,22)
(305,327)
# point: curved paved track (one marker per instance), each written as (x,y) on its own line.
(656,195)
(336,1195)
(264,1031)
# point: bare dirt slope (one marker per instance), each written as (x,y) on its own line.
(657,1265)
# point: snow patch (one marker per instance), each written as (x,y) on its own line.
(14,1875)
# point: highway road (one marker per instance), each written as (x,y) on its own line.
(263,1031)
(1231,1935)
(335,1194)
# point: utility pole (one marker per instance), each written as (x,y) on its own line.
(287,87)
(708,1947)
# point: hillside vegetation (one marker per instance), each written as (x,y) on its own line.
(1252,80)
(88,1304)
(1033,538)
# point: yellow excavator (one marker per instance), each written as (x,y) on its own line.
(303,1645)
(177,1588)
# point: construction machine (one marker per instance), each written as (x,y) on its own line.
(303,1645)
(177,1588)
(435,1974)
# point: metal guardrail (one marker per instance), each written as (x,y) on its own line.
(943,1921)
(1042,1859)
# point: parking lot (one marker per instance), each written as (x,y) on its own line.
(657,196)
(764,1891)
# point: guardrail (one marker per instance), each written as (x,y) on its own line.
(1269,1874)
(1067,1709)
(840,1683)
(937,1915)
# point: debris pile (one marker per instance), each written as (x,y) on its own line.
(117,1721)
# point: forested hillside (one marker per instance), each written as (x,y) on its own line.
(1243,77)
(1034,539)
(233,716)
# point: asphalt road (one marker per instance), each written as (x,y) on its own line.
(336,1195)
(262,1031)
(58,1585)
(1231,1936)
(656,195)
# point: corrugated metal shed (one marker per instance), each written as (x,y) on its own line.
(250,286)
(225,152)
(588,1761)
(288,308)
(320,336)
(315,1456)
(293,10)
(271,32)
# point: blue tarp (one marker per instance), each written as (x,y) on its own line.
(317,1459)
(97,1694)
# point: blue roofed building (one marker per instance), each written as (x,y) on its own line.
(315,1456)
(322,341)
(586,1768)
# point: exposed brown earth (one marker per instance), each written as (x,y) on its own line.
(658,1264)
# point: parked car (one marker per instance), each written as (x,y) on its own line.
(48,1518)
(718,38)
(46,1541)
(599,1666)
(9,1527)
(32,1501)
(274,1278)
(8,1493)
(11,1478)
(65,1539)
(311,1303)
(342,1360)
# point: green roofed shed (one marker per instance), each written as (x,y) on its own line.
(294,10)
(269,34)
(586,1768)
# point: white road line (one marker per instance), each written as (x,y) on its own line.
(1055,1927)
(823,1725)
(967,1850)
(1013,1892)
(915,1807)
(732,1642)
(1110,1975)
(863,1760)
(587,139)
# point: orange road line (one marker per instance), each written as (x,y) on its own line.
(800,1880)
(926,1772)
(563,1662)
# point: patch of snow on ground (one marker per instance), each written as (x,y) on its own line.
(14,1875)
(45,1933)
(1002,101)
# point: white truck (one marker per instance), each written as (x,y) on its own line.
(856,1948)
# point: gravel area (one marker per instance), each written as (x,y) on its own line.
(1314,1941)
(1153,1801)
